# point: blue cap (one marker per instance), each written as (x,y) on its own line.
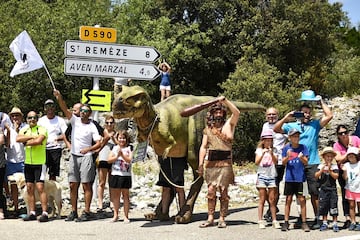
(309,95)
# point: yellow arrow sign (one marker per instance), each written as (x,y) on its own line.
(97,100)
(99,34)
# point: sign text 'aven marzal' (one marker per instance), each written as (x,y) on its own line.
(99,68)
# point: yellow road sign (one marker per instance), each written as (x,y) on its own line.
(98,34)
(98,100)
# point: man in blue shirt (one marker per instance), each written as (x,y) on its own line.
(309,129)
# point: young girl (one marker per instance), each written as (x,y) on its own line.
(120,178)
(352,188)
(266,185)
(104,168)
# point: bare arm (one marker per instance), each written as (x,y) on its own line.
(328,115)
(62,104)
(278,125)
(202,154)
(234,118)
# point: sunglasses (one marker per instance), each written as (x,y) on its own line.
(84,110)
(109,123)
(343,133)
(31,117)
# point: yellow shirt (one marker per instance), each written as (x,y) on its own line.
(35,155)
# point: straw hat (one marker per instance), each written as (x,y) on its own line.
(328,150)
(16,110)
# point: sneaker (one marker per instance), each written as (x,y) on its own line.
(305,227)
(261,224)
(346,224)
(335,228)
(357,228)
(276,224)
(316,224)
(298,223)
(71,217)
(323,227)
(44,218)
(352,226)
(85,216)
(285,227)
(30,217)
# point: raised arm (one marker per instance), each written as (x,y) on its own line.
(62,104)
(328,115)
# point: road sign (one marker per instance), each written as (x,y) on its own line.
(99,34)
(110,51)
(94,68)
(97,100)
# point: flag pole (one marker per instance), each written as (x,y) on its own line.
(47,71)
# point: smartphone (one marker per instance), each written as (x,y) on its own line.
(298,115)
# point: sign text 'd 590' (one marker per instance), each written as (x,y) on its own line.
(100,34)
(93,68)
(110,51)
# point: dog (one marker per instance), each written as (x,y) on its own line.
(52,189)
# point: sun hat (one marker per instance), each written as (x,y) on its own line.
(267,133)
(309,95)
(328,150)
(352,150)
(16,110)
(293,131)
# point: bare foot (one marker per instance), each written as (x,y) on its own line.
(115,219)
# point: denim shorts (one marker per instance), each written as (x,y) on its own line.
(265,182)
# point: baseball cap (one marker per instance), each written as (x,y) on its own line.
(293,131)
(267,133)
(49,101)
(309,95)
(328,150)
(16,110)
(352,150)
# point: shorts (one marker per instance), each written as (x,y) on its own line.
(116,181)
(174,170)
(265,182)
(35,173)
(12,168)
(280,169)
(53,157)
(81,169)
(105,164)
(313,184)
(352,195)
(328,202)
(293,188)
(162,87)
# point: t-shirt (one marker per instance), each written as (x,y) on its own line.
(354,141)
(266,167)
(309,136)
(82,135)
(353,177)
(55,127)
(279,141)
(35,155)
(16,151)
(120,167)
(295,168)
(326,181)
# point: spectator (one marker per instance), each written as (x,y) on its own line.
(327,174)
(56,128)
(34,138)
(3,206)
(265,159)
(272,116)
(295,158)
(165,84)
(15,153)
(81,166)
(216,144)
(120,179)
(309,129)
(340,147)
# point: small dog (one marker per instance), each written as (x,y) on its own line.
(52,189)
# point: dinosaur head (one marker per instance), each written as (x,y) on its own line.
(131,102)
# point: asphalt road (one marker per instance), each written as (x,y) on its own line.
(242,224)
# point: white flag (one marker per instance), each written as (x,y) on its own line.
(27,57)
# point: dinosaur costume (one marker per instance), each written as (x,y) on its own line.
(172,135)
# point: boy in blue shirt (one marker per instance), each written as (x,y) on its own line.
(295,157)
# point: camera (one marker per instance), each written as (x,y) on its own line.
(298,115)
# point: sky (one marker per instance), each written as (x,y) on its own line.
(352,7)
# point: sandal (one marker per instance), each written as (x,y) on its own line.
(207,224)
(221,224)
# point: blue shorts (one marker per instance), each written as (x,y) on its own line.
(12,168)
(265,182)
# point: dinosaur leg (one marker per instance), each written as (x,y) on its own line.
(162,210)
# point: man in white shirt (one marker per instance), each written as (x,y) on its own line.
(56,127)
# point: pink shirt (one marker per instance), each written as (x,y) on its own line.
(354,141)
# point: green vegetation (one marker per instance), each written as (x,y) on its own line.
(260,51)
